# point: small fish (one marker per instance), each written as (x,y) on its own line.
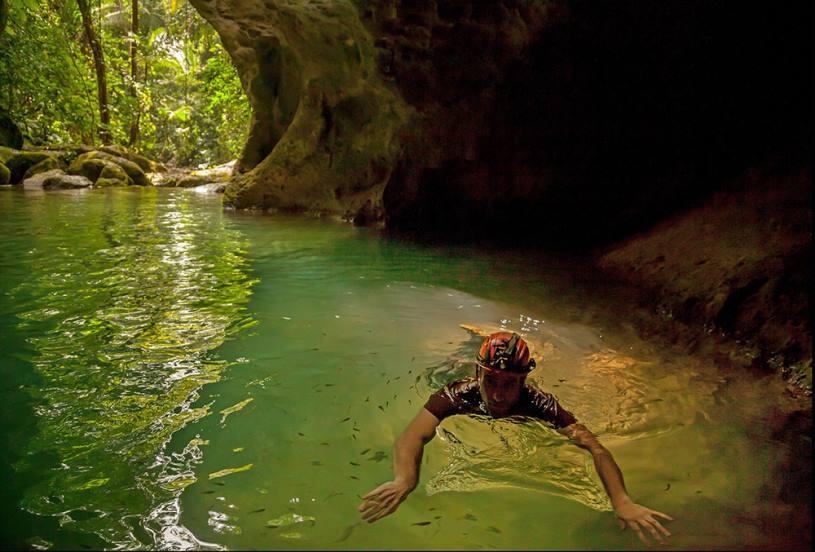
(315,348)
(396,378)
(207,492)
(219,483)
(493,529)
(332,495)
(347,532)
(433,509)
(422,523)
(353,463)
(387,382)
(354,437)
(470,517)
(561,380)
(409,402)
(379,456)
(668,487)
(259,510)
(367,399)
(354,477)
(365,451)
(355,428)
(301,434)
(344,420)
(329,385)
(380,408)
(412,359)
(316,463)
(325,444)
(437,517)
(386,403)
(698,492)
(410,371)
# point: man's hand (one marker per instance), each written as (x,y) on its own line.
(630,514)
(384,500)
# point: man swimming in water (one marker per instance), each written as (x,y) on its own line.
(499,390)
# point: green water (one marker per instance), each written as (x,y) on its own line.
(151,340)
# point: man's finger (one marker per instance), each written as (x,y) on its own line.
(651,530)
(376,491)
(666,516)
(367,505)
(639,532)
(659,526)
(382,513)
(621,523)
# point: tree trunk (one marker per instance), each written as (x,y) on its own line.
(99,65)
(134,32)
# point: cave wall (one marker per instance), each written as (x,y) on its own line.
(324,132)
(580,121)
(563,120)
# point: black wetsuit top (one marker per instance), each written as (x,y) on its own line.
(464,397)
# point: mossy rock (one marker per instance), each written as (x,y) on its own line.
(88,167)
(7,153)
(191,181)
(45,165)
(5,174)
(21,161)
(132,169)
(113,175)
(145,164)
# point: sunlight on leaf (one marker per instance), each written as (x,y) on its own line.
(230,471)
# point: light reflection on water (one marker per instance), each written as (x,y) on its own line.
(218,380)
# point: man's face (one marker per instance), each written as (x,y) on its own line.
(500,390)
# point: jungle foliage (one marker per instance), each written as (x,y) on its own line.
(183,104)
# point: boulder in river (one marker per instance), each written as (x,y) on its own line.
(46,164)
(112,175)
(65,182)
(36,181)
(191,181)
(5,174)
(89,167)
(147,165)
(132,169)
(20,161)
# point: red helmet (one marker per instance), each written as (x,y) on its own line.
(505,351)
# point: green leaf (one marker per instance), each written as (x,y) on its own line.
(230,471)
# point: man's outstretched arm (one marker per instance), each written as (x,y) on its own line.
(407,458)
(629,513)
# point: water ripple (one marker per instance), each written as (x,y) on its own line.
(123,323)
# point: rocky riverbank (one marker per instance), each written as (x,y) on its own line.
(47,168)
(730,277)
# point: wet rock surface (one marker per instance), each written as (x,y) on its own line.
(734,271)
